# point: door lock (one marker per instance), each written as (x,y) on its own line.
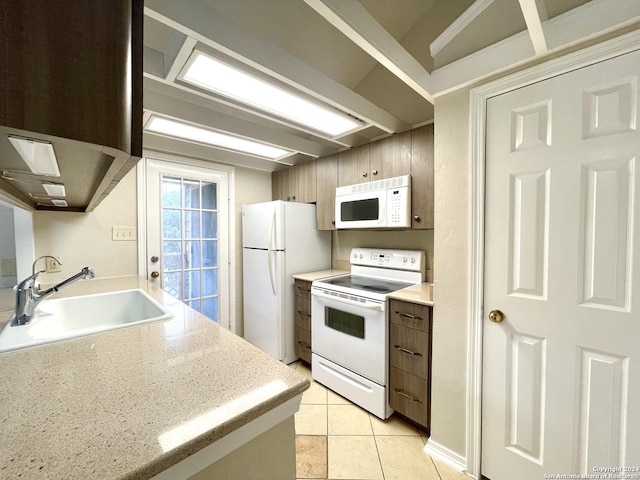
(154,259)
(496,316)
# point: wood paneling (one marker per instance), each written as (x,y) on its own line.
(422,175)
(409,350)
(409,395)
(354,165)
(391,156)
(410,315)
(327,181)
(303,319)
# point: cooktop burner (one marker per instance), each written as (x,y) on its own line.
(369,284)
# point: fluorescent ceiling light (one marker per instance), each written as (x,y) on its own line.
(211,74)
(217,139)
(37,154)
(59,203)
(54,189)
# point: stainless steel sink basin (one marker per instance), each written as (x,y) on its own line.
(65,318)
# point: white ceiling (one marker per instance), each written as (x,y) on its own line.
(382,61)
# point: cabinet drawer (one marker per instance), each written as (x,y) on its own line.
(409,395)
(303,289)
(410,315)
(409,350)
(303,344)
(303,313)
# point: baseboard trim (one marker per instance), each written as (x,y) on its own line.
(446,456)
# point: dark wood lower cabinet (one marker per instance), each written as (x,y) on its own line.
(410,361)
(303,319)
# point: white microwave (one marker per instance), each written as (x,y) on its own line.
(380,204)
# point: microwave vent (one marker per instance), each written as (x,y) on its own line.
(395,182)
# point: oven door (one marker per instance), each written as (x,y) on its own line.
(351,332)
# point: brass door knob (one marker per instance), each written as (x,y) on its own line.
(496,316)
(155,274)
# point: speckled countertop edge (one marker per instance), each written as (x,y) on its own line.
(420,293)
(313,276)
(99,406)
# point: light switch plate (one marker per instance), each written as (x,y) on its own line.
(122,233)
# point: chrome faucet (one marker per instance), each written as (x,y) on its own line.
(29,295)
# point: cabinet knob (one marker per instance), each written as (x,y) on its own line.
(333,222)
(416,218)
(294,198)
(375,172)
(364,174)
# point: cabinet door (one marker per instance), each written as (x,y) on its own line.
(280,185)
(327,181)
(422,177)
(354,165)
(391,156)
(303,182)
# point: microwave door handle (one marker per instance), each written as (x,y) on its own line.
(375,306)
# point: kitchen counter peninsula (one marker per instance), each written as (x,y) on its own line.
(160,400)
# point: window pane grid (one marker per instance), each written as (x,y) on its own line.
(190,243)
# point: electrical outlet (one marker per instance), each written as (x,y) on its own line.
(8,267)
(123,233)
(53,265)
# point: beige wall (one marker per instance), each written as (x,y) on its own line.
(450,250)
(84,239)
(344,240)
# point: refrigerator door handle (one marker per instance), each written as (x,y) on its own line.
(271,275)
(271,229)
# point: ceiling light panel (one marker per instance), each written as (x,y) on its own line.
(37,154)
(175,128)
(54,189)
(211,74)
(59,203)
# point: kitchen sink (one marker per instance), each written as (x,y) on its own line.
(65,318)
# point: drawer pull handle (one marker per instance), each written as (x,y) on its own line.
(304,345)
(408,315)
(304,289)
(303,314)
(406,395)
(404,350)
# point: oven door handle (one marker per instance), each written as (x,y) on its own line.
(379,307)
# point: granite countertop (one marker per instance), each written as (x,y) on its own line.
(312,276)
(129,403)
(421,293)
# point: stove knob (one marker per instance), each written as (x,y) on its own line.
(404,259)
(355,255)
(413,260)
(360,255)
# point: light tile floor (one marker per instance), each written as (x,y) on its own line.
(336,439)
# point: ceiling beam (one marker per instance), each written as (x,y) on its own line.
(597,17)
(160,143)
(161,99)
(203,23)
(459,24)
(535,13)
(353,20)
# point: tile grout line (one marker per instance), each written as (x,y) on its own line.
(375,442)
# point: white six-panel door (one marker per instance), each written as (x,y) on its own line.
(561,372)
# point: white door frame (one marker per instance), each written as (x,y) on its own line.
(231,202)
(477,130)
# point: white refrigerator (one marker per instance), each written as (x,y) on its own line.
(279,239)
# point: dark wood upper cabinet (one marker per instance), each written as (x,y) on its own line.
(71,73)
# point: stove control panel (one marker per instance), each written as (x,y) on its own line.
(413,260)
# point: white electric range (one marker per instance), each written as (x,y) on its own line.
(350,324)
